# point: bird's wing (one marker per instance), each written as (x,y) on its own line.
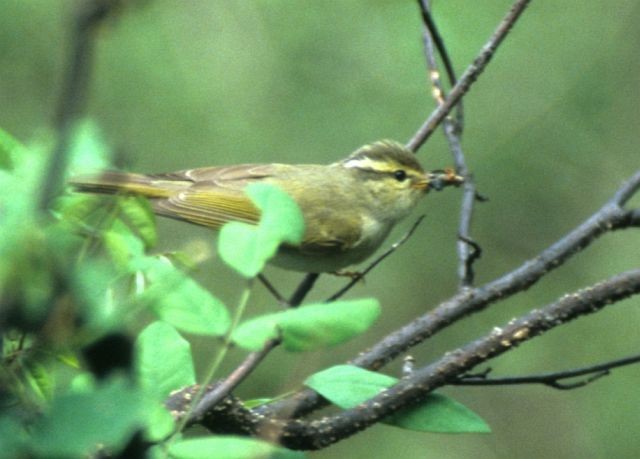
(230,177)
(216,194)
(332,237)
(208,206)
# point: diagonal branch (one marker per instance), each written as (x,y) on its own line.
(452,132)
(469,76)
(593,373)
(319,433)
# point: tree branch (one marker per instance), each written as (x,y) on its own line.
(395,246)
(594,372)
(319,433)
(452,131)
(468,77)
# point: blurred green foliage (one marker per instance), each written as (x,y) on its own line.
(551,131)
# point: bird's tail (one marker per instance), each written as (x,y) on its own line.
(126,183)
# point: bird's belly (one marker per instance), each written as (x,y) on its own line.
(293,259)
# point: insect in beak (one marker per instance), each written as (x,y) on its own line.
(440,179)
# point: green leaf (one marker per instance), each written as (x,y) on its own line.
(88,150)
(348,386)
(13,438)
(280,215)
(254,402)
(78,422)
(92,286)
(163,360)
(179,300)
(160,423)
(229,447)
(122,245)
(441,414)
(80,209)
(239,247)
(138,213)
(40,380)
(309,327)
(246,248)
(8,149)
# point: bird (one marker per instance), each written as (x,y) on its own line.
(349,206)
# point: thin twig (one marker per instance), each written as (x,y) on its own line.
(468,77)
(305,287)
(74,91)
(271,288)
(377,261)
(474,254)
(431,37)
(549,379)
(452,131)
(238,375)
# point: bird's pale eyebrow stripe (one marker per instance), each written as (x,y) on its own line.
(361,163)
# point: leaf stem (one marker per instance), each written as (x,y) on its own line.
(197,408)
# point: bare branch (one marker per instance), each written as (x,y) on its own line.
(305,287)
(452,132)
(468,77)
(223,389)
(270,287)
(431,38)
(377,261)
(322,432)
(594,372)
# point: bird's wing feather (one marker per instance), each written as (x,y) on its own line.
(209,207)
(232,177)
(332,237)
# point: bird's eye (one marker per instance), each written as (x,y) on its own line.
(400,175)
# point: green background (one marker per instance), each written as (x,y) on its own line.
(551,132)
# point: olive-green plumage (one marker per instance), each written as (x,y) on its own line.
(349,206)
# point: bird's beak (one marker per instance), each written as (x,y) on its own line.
(440,179)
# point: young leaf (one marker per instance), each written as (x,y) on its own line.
(239,247)
(229,447)
(280,216)
(347,386)
(137,212)
(8,149)
(438,413)
(309,327)
(78,422)
(40,379)
(247,248)
(182,302)
(160,423)
(88,150)
(14,437)
(163,360)
(122,245)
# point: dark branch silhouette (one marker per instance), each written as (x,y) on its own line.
(553,380)
(72,101)
(467,249)
(469,76)
(319,433)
